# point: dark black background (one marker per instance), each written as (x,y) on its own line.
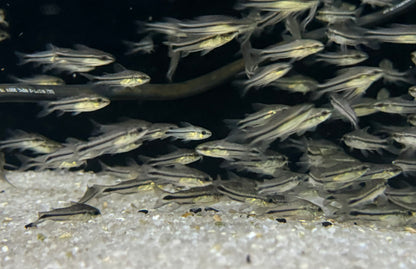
(105,24)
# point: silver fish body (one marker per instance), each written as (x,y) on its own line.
(344,108)
(337,14)
(200,44)
(4,35)
(228,150)
(354,81)
(242,190)
(80,59)
(412,91)
(396,105)
(296,83)
(42,80)
(188,132)
(361,139)
(178,175)
(179,156)
(378,3)
(316,117)
(396,33)
(74,105)
(343,58)
(363,106)
(348,34)
(266,75)
(159,131)
(124,187)
(145,46)
(283,181)
(296,49)
(29,141)
(261,116)
(268,163)
(2,171)
(339,173)
(197,195)
(111,142)
(73,212)
(122,79)
(131,171)
(286,123)
(3,21)
(411,119)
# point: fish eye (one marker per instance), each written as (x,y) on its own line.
(204,132)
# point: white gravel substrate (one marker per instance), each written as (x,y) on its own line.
(124,238)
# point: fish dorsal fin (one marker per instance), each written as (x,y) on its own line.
(17,132)
(72,140)
(386,64)
(98,128)
(118,68)
(172,148)
(258,106)
(292,26)
(103,165)
(383,94)
(83,47)
(365,130)
(131,162)
(144,159)
(232,176)
(185,124)
(51,47)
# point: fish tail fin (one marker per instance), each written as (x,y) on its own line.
(144,159)
(46,109)
(250,56)
(92,192)
(87,76)
(160,201)
(23,59)
(231,123)
(242,86)
(26,162)
(393,150)
(174,61)
(243,91)
(14,78)
(4,178)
